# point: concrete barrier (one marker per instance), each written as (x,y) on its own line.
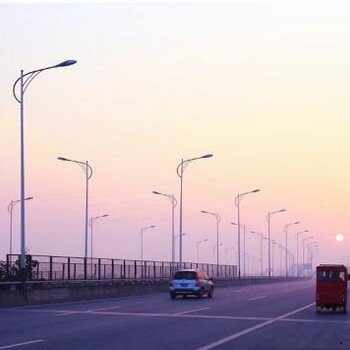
(63,291)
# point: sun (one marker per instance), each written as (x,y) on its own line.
(339,237)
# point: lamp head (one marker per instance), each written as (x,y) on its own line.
(257,190)
(66,63)
(28,198)
(62,158)
(155,192)
(209,155)
(103,216)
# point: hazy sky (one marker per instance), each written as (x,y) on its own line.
(263,85)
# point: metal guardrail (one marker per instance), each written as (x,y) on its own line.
(62,268)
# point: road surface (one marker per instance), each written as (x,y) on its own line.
(272,316)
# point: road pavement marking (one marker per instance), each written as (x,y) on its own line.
(262,297)
(252,329)
(193,310)
(105,309)
(21,344)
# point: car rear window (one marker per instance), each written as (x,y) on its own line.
(185,275)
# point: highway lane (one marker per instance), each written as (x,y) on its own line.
(260,317)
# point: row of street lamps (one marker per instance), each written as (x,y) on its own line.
(24,81)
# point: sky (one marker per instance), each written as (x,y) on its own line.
(262,85)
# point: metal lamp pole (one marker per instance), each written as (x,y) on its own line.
(173,205)
(88,173)
(197,246)
(10,209)
(261,250)
(237,203)
(218,219)
(180,171)
(297,236)
(303,244)
(143,229)
(91,224)
(24,80)
(286,233)
(269,214)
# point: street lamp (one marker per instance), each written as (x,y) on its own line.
(297,235)
(24,80)
(303,244)
(180,171)
(143,229)
(217,218)
(91,224)
(286,233)
(88,173)
(197,246)
(173,205)
(10,209)
(237,203)
(261,249)
(269,214)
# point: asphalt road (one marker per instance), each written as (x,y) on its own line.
(277,316)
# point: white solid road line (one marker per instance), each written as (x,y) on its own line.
(21,344)
(193,310)
(252,329)
(262,297)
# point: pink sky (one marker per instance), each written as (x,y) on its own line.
(261,85)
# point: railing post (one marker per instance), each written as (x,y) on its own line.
(99,268)
(112,268)
(68,261)
(124,269)
(135,270)
(85,268)
(50,270)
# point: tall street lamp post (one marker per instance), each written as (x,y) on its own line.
(269,214)
(88,173)
(286,233)
(297,236)
(198,243)
(10,210)
(24,80)
(173,205)
(303,245)
(91,224)
(143,229)
(237,203)
(261,250)
(180,171)
(217,218)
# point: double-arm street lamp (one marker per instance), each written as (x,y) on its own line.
(143,229)
(286,233)
(269,214)
(237,203)
(180,171)
(297,236)
(10,209)
(88,173)
(217,218)
(173,205)
(198,243)
(24,81)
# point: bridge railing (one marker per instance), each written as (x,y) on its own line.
(58,268)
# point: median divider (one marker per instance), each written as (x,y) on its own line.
(45,292)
